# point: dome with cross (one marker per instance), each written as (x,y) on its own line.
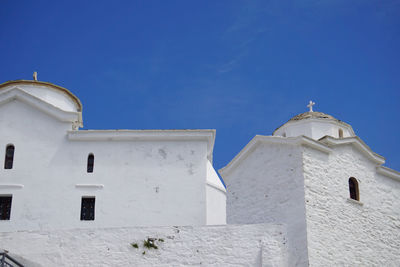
(315,125)
(47,97)
(52,94)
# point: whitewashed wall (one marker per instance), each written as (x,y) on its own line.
(57,98)
(267,186)
(314,128)
(216,197)
(341,232)
(233,245)
(135,182)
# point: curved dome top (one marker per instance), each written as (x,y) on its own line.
(313,115)
(54,94)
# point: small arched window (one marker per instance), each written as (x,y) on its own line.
(90,163)
(340,133)
(9,159)
(353,188)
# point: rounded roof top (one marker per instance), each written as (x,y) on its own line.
(59,88)
(312,115)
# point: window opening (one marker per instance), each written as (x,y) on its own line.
(90,163)
(340,133)
(353,188)
(5,207)
(87,208)
(9,159)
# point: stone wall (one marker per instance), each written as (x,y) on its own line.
(267,186)
(343,232)
(233,245)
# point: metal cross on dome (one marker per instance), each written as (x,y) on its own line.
(310,105)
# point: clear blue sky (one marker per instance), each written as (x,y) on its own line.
(240,67)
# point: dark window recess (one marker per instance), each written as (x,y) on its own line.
(90,163)
(5,207)
(87,209)
(340,133)
(353,188)
(8,162)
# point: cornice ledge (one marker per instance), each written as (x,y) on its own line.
(306,141)
(11,186)
(258,139)
(147,135)
(90,186)
(385,171)
(298,140)
(135,135)
(358,143)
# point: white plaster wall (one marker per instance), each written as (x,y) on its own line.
(134,182)
(216,206)
(293,129)
(341,232)
(52,96)
(267,186)
(216,197)
(313,128)
(233,245)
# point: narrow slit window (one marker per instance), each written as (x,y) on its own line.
(340,133)
(353,188)
(5,207)
(9,159)
(87,208)
(90,163)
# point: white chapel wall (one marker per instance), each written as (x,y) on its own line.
(134,182)
(267,186)
(341,232)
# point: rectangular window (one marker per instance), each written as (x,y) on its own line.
(87,209)
(5,207)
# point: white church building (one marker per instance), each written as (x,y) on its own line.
(312,194)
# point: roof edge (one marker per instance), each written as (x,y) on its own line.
(57,87)
(258,139)
(147,135)
(387,172)
(354,140)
